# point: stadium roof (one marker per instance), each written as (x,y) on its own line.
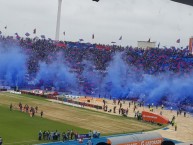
(187,2)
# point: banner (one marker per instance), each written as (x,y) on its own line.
(80,136)
(5,87)
(191,45)
(14,92)
(155,118)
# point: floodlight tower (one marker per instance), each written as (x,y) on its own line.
(58,20)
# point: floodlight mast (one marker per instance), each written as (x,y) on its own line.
(188,2)
(58,20)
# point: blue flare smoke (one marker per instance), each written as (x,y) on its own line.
(124,81)
(12,66)
(119,80)
(56,74)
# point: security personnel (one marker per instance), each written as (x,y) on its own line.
(175,126)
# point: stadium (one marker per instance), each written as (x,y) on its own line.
(96,90)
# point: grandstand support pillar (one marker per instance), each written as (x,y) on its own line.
(58,20)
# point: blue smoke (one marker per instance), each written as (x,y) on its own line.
(125,81)
(119,80)
(56,74)
(12,66)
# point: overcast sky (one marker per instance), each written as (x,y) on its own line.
(163,21)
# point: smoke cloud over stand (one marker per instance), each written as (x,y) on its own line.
(12,66)
(56,74)
(119,80)
(125,81)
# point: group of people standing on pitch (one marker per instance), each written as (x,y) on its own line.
(57,136)
(26,108)
(179,112)
(122,111)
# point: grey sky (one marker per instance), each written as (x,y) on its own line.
(163,21)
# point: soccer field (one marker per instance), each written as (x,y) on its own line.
(20,128)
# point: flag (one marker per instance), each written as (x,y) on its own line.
(158,44)
(92,36)
(18,37)
(178,41)
(5,27)
(120,38)
(27,34)
(100,47)
(43,36)
(81,40)
(60,44)
(34,31)
(64,33)
(149,40)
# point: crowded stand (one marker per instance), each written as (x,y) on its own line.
(85,60)
(154,60)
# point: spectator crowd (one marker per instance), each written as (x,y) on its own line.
(154,60)
(151,61)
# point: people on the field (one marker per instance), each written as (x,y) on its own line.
(11,107)
(175,125)
(36,108)
(41,113)
(40,135)
(56,136)
(184,113)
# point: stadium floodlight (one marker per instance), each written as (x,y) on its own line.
(187,2)
(58,20)
(59,17)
